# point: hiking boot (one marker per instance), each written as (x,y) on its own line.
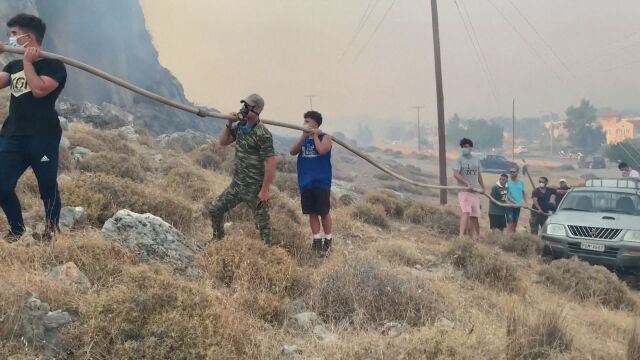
(326,247)
(11,237)
(317,245)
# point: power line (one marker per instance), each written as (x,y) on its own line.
(546,43)
(478,49)
(376,29)
(531,48)
(363,20)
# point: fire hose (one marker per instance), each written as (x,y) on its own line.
(201,112)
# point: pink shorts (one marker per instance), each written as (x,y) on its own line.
(469,203)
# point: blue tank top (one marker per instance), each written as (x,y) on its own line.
(314,170)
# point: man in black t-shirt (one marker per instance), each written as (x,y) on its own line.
(543,200)
(30,136)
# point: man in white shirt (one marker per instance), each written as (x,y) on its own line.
(627,171)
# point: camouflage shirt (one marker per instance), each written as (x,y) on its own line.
(253,147)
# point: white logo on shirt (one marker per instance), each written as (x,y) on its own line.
(19,86)
(44,159)
(309,151)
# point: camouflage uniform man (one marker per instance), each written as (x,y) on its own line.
(254,168)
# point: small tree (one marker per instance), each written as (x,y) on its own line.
(583,128)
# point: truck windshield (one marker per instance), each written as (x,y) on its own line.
(602,201)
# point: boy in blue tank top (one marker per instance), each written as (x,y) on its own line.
(314,179)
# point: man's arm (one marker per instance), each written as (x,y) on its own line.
(226,136)
(295,148)
(459,177)
(269,174)
(535,201)
(5,79)
(322,146)
(40,86)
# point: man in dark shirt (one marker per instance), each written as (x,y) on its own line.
(30,136)
(543,200)
(497,213)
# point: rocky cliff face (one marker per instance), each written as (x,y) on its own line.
(111,35)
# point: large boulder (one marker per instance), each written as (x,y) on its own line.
(105,116)
(150,236)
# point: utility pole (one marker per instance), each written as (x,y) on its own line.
(418,110)
(310,101)
(442,152)
(513,132)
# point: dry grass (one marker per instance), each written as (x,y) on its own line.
(120,165)
(588,283)
(213,156)
(286,164)
(260,277)
(360,292)
(400,252)
(193,184)
(537,334)
(84,135)
(633,344)
(484,266)
(442,221)
(393,206)
(104,195)
(150,314)
(370,214)
(288,184)
(521,244)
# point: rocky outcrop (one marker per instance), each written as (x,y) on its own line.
(185,141)
(69,275)
(72,217)
(150,236)
(41,327)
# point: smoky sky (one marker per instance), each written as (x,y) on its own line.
(547,54)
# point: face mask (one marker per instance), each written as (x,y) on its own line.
(13,41)
(542,185)
(465,151)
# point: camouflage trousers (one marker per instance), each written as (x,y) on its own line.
(233,196)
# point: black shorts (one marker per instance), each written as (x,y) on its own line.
(497,222)
(315,201)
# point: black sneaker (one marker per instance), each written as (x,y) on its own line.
(317,245)
(326,247)
(11,237)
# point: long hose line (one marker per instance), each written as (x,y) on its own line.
(217,115)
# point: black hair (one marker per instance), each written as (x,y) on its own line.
(29,23)
(544,178)
(466,141)
(504,175)
(314,115)
(622,165)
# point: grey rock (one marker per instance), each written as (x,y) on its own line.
(157,157)
(41,327)
(296,306)
(65,143)
(72,217)
(185,141)
(79,152)
(64,178)
(69,274)
(291,352)
(306,320)
(446,323)
(105,116)
(128,133)
(151,236)
(89,109)
(64,123)
(392,329)
(323,334)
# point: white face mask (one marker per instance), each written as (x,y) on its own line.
(542,185)
(13,41)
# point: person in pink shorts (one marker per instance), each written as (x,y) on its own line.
(467,170)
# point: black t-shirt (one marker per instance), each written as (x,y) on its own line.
(543,199)
(29,115)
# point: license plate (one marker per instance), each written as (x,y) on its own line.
(593,247)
